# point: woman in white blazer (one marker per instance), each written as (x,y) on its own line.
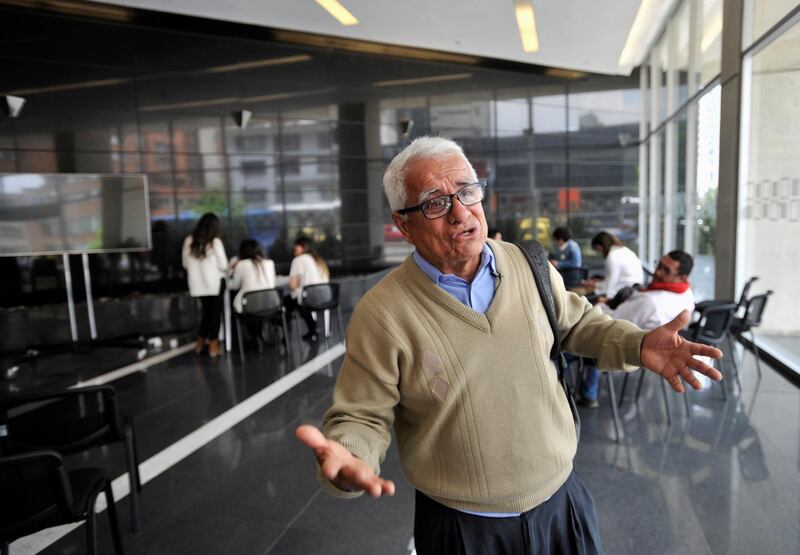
(204,259)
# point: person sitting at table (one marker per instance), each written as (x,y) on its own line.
(308,268)
(251,271)
(668,295)
(567,259)
(622,267)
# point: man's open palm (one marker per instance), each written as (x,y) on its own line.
(672,357)
(346,471)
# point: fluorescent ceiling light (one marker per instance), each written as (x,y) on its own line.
(526,21)
(338,11)
(232,100)
(259,63)
(641,28)
(419,80)
(72,86)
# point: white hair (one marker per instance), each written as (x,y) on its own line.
(423,147)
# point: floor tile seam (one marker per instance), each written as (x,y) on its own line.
(186,446)
(300,512)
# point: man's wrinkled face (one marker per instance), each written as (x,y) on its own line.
(454,242)
(667,271)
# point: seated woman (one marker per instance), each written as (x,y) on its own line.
(308,268)
(622,267)
(251,272)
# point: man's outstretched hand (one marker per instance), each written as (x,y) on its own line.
(340,466)
(672,357)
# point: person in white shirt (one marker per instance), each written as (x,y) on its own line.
(665,298)
(251,272)
(307,268)
(203,257)
(623,267)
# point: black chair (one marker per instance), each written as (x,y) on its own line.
(264,305)
(740,304)
(320,298)
(71,421)
(712,329)
(753,313)
(619,432)
(573,277)
(39,493)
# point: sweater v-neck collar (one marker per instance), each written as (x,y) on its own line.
(449,302)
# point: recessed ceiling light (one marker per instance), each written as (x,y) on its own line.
(526,21)
(338,11)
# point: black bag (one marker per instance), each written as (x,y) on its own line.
(536,256)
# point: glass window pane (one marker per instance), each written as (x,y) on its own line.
(707,186)
(771,188)
(710,40)
(680,25)
(763,15)
(679,199)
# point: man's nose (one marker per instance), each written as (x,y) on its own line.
(458,212)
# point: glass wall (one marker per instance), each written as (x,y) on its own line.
(682,139)
(770,179)
(323,124)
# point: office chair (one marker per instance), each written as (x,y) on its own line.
(753,312)
(712,329)
(38,493)
(71,421)
(321,298)
(260,306)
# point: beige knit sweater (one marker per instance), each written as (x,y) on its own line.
(482,423)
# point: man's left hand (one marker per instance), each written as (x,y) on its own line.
(672,357)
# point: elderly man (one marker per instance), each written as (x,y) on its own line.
(452,350)
(664,299)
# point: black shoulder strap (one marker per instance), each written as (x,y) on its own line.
(536,256)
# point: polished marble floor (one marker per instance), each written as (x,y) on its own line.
(725,480)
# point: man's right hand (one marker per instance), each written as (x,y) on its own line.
(341,467)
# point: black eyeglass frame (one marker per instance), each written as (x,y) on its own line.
(420,207)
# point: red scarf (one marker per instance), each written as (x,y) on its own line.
(673,287)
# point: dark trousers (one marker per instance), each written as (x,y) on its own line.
(291,305)
(210,316)
(564,524)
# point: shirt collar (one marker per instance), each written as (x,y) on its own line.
(487,259)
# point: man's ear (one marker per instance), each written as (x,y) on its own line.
(402,225)
(682,278)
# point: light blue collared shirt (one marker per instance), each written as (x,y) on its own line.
(477,295)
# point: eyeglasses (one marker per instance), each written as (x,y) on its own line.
(440,206)
(660,267)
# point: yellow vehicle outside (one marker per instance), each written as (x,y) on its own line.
(539,231)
